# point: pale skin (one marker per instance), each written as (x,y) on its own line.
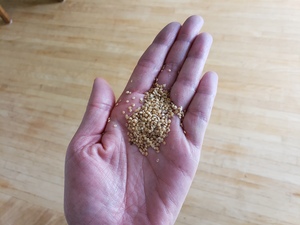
(107,180)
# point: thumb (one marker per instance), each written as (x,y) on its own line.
(97,112)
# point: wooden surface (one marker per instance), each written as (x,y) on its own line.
(250,166)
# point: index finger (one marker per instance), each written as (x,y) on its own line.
(152,60)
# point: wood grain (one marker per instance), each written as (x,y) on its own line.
(250,165)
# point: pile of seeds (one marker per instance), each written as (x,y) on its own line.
(149,125)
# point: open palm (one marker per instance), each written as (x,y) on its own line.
(107,180)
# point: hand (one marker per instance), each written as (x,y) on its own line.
(107,180)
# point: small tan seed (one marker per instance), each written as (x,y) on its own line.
(150,123)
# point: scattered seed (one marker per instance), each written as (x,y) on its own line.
(133,105)
(127,101)
(150,124)
(123,112)
(133,97)
(115,125)
(157,160)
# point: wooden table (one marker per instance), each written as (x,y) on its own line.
(249,172)
(6,18)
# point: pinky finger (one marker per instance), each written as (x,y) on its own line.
(199,110)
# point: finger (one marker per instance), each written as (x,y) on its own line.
(178,52)
(198,112)
(189,77)
(152,60)
(98,109)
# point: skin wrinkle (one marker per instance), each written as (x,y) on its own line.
(90,183)
(107,143)
(148,63)
(121,187)
(161,199)
(146,197)
(106,107)
(204,40)
(199,115)
(69,156)
(144,191)
(127,206)
(126,191)
(159,179)
(196,113)
(140,207)
(185,38)
(189,84)
(170,65)
(195,151)
(85,141)
(170,35)
(120,169)
(184,173)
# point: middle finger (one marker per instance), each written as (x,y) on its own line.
(179,50)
